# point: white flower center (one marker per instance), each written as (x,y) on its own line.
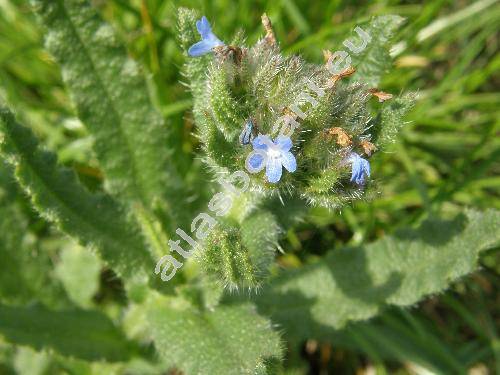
(274,153)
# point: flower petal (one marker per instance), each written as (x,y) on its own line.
(208,39)
(360,180)
(256,161)
(246,134)
(357,168)
(200,48)
(284,143)
(203,27)
(352,157)
(273,169)
(289,162)
(360,168)
(212,39)
(261,142)
(366,167)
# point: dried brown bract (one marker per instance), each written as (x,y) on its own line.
(345,73)
(225,52)
(270,38)
(343,139)
(382,96)
(368,147)
(288,112)
(327,55)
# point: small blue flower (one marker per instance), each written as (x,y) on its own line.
(272,155)
(360,168)
(247,133)
(208,39)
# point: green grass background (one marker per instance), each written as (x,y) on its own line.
(447,157)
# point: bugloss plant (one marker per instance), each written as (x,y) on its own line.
(204,320)
(303,131)
(324,127)
(322,123)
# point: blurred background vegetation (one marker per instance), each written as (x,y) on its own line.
(447,158)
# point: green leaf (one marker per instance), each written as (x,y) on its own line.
(399,335)
(391,119)
(241,257)
(13,285)
(225,108)
(229,340)
(29,362)
(88,335)
(110,93)
(79,272)
(95,220)
(23,269)
(374,61)
(356,283)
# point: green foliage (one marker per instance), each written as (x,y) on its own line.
(262,84)
(23,277)
(109,91)
(194,341)
(28,361)
(112,156)
(241,258)
(79,272)
(354,283)
(374,61)
(391,119)
(397,334)
(96,220)
(82,334)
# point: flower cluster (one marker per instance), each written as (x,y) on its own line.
(293,133)
(258,109)
(266,153)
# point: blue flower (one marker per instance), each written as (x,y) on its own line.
(271,155)
(360,168)
(247,133)
(208,39)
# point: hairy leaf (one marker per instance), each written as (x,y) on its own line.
(374,61)
(23,274)
(112,100)
(391,119)
(96,220)
(83,334)
(13,283)
(356,283)
(229,340)
(241,258)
